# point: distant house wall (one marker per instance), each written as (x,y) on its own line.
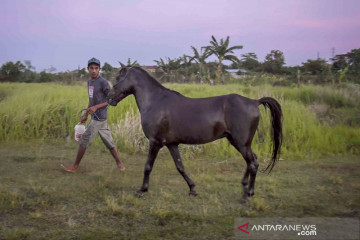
(237,73)
(150,68)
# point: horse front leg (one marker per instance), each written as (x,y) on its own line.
(153,151)
(174,151)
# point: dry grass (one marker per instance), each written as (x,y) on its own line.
(40,201)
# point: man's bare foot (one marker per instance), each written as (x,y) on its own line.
(70,168)
(121,167)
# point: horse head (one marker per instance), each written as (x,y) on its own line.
(122,88)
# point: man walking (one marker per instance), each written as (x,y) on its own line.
(98,88)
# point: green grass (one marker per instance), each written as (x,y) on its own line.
(322,120)
(40,201)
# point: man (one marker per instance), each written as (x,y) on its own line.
(98,89)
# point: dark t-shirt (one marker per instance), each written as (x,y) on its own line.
(98,90)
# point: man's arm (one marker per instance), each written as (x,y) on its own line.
(93,109)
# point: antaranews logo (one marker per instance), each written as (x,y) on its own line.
(245,225)
(302,230)
(297,228)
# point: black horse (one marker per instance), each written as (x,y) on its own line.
(169,119)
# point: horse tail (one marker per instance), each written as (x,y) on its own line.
(276,133)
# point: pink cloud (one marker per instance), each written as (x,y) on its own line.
(343,22)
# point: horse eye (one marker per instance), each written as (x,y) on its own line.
(118,78)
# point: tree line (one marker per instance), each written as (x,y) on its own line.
(196,68)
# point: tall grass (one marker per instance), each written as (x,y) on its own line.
(30,111)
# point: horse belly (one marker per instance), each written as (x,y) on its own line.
(192,122)
(198,133)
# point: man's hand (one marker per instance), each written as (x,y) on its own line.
(83,119)
(92,109)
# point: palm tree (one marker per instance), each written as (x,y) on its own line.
(223,52)
(249,61)
(199,58)
(135,63)
(185,67)
(169,69)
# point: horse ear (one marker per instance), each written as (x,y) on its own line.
(122,65)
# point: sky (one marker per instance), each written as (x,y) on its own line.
(65,34)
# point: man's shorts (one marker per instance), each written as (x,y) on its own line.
(92,130)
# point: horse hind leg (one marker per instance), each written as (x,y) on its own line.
(251,168)
(245,182)
(250,173)
(253,171)
(174,151)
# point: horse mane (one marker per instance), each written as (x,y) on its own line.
(154,81)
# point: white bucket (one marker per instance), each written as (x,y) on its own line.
(79,130)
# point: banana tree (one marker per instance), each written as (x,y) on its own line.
(199,58)
(223,52)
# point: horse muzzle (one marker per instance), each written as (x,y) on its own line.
(115,100)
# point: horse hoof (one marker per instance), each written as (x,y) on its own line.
(244,200)
(139,194)
(193,193)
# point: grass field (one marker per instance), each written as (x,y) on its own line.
(321,119)
(318,176)
(40,201)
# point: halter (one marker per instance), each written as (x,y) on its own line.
(125,76)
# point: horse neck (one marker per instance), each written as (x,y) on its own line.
(146,91)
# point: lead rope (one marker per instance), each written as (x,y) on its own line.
(82,115)
(97,115)
(85,109)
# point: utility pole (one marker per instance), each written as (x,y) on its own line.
(333,52)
